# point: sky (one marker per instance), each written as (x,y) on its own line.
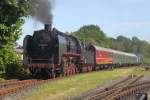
(115,17)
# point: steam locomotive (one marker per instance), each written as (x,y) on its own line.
(51,53)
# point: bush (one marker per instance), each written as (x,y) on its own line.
(10,61)
(13,68)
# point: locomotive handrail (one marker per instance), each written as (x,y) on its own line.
(40,59)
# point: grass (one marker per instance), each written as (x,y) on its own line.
(75,85)
(146,60)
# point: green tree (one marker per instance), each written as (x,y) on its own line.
(112,43)
(123,44)
(11,20)
(92,34)
(140,46)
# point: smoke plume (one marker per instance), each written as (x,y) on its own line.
(41,10)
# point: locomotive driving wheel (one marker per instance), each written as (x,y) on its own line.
(68,66)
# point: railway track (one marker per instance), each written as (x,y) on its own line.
(126,87)
(6,83)
(14,86)
(98,90)
(8,87)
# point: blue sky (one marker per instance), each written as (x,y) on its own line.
(115,17)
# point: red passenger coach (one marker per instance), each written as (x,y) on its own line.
(103,56)
(109,58)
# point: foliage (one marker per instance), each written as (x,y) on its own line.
(93,34)
(11,61)
(11,20)
(146,60)
(11,13)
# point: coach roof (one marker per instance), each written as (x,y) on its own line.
(114,51)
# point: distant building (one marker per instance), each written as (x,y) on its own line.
(19,51)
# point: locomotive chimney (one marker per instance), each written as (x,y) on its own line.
(48,27)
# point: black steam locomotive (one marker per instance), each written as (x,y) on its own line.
(51,53)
